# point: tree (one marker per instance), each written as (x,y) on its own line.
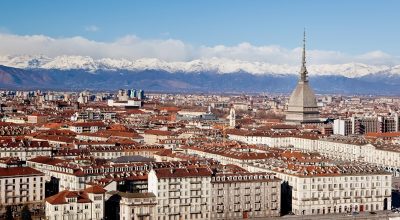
(25,213)
(9,214)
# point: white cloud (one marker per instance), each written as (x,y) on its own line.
(132,47)
(91,28)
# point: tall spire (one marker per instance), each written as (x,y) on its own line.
(303,70)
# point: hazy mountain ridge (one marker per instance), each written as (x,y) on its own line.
(156,80)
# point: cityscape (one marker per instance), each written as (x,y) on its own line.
(176,125)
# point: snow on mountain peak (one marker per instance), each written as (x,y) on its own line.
(218,65)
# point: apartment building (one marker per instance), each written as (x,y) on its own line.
(20,186)
(312,184)
(245,195)
(182,193)
(76,205)
(90,127)
(130,206)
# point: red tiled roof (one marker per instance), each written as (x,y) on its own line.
(88,124)
(183,172)
(158,132)
(46,160)
(96,189)
(19,171)
(60,198)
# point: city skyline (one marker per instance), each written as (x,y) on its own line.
(178,110)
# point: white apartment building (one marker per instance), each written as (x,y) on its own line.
(329,190)
(245,195)
(342,127)
(76,205)
(342,148)
(20,186)
(90,127)
(25,150)
(133,206)
(182,193)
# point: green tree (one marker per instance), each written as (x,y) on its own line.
(9,214)
(26,214)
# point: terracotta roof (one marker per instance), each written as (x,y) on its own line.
(19,171)
(159,132)
(61,197)
(96,189)
(88,124)
(47,160)
(183,172)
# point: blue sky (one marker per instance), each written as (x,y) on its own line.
(348,26)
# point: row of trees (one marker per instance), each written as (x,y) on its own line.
(25,214)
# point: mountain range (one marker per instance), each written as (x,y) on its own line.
(207,75)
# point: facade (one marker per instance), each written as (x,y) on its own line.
(245,195)
(131,103)
(182,193)
(131,206)
(353,189)
(336,147)
(76,205)
(20,186)
(342,127)
(87,127)
(302,107)
(232,118)
(37,118)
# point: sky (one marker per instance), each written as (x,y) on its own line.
(257,30)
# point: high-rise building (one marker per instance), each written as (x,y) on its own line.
(232,118)
(302,106)
(140,95)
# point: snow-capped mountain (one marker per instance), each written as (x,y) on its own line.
(217,65)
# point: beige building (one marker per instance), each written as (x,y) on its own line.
(182,193)
(325,187)
(131,206)
(76,205)
(20,186)
(37,118)
(245,195)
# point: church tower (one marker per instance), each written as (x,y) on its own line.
(302,107)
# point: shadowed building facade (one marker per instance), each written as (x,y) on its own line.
(302,107)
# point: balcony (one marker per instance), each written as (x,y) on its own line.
(174,213)
(195,196)
(174,183)
(174,190)
(195,182)
(143,214)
